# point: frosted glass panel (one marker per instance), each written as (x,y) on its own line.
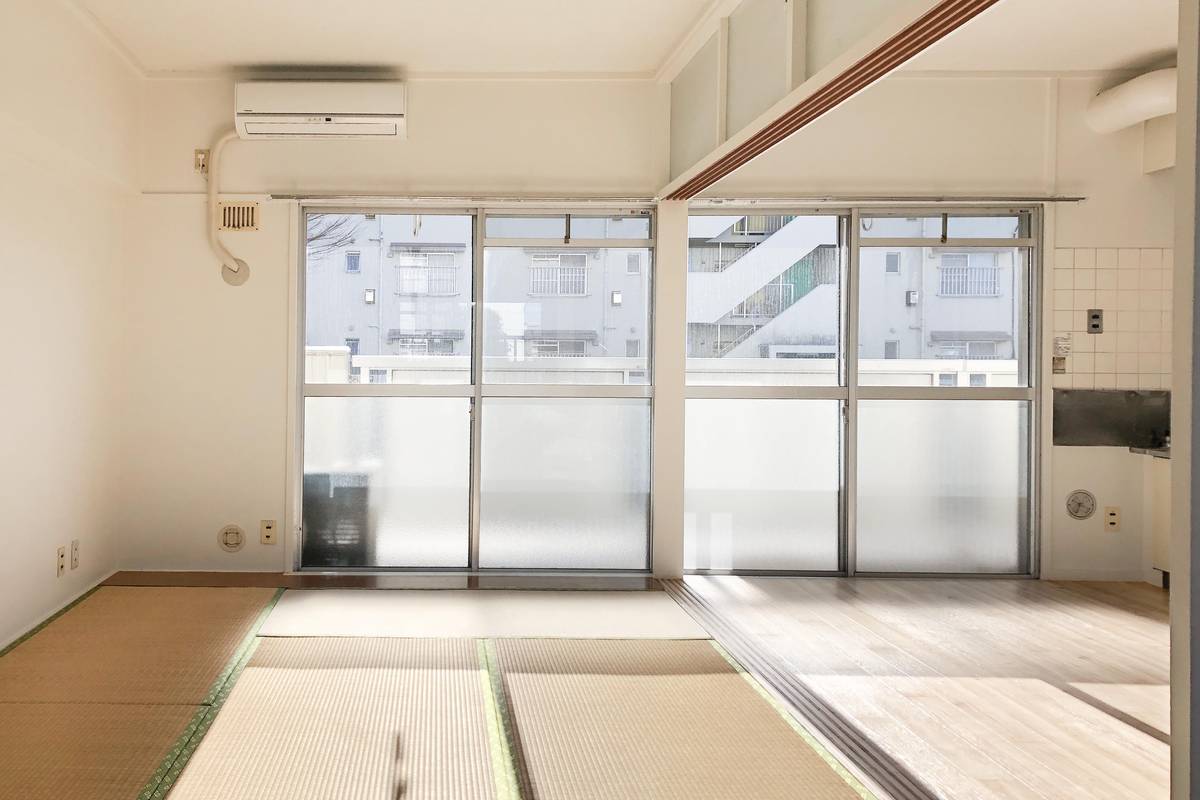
(385,481)
(942,486)
(565,483)
(761,485)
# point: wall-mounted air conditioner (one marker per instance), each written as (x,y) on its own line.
(319,109)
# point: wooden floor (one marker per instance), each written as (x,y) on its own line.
(980,688)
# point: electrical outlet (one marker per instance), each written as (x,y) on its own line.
(74,554)
(266,531)
(62,561)
(1112,518)
(200,162)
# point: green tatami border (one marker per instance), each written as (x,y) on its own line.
(172,764)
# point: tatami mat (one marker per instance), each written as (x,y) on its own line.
(352,719)
(481,614)
(83,751)
(668,720)
(133,645)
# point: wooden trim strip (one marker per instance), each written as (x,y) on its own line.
(943,19)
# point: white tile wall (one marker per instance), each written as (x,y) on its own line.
(1133,287)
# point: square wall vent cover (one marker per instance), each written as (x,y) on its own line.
(239,217)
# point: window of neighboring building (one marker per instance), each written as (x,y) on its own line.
(969,275)
(978,379)
(556,348)
(424,346)
(427,273)
(633,348)
(377,376)
(353,258)
(633,264)
(975,350)
(891,348)
(947,379)
(560,274)
(891,263)
(355,374)
(369,297)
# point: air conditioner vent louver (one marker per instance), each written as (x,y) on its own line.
(239,216)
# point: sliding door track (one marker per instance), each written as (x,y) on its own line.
(810,709)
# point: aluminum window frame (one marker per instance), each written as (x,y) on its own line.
(840,392)
(474,389)
(846,391)
(850,392)
(565,390)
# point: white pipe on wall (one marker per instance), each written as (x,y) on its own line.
(1137,100)
(233,270)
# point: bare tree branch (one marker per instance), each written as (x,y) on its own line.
(329,232)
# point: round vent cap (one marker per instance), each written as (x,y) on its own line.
(231,538)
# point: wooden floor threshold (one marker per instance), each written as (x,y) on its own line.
(813,711)
(285,580)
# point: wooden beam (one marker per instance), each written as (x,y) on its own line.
(942,19)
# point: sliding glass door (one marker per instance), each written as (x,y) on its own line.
(387,390)
(944,398)
(765,388)
(859,392)
(477,390)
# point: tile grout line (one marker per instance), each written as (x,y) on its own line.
(176,759)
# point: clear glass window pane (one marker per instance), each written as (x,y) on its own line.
(565,316)
(943,486)
(386,481)
(565,483)
(535,227)
(943,311)
(396,285)
(1008,226)
(763,300)
(761,485)
(610,227)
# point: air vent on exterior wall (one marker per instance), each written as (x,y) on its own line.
(239,216)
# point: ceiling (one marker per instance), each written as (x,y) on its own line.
(1059,36)
(414,36)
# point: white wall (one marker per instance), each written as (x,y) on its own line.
(68,107)
(925,135)
(206,439)
(695,108)
(201,392)
(912,136)
(1127,219)
(206,401)
(503,137)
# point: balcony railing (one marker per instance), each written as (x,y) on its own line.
(769,301)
